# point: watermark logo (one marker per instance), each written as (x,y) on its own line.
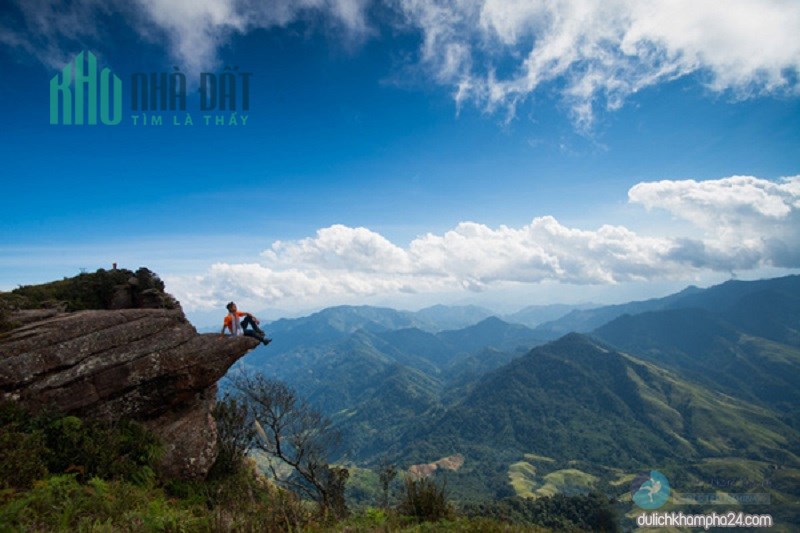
(650,489)
(78,93)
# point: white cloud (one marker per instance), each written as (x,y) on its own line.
(193,30)
(745,221)
(494,53)
(742,222)
(341,247)
(197,28)
(719,203)
(604,51)
(46,31)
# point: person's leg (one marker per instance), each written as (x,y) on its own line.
(258,335)
(250,323)
(256,332)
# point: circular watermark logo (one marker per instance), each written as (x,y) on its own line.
(650,489)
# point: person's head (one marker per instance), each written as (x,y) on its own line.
(231,307)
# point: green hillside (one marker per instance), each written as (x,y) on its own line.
(768,308)
(534,315)
(707,349)
(575,399)
(585,320)
(702,381)
(396,400)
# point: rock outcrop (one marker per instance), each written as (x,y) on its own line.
(150,365)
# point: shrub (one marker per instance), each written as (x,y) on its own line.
(244,500)
(60,503)
(235,434)
(22,458)
(109,483)
(32,446)
(124,450)
(424,499)
(8,302)
(94,290)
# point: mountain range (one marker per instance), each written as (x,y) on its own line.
(699,384)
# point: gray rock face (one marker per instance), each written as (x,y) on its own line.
(147,364)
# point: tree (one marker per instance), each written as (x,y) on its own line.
(295,434)
(235,435)
(386,474)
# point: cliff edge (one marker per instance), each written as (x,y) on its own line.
(137,357)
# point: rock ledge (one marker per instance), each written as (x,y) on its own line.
(150,365)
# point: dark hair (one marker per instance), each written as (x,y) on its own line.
(230,304)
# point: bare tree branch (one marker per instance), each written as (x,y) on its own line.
(296,434)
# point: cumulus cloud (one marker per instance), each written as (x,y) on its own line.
(740,222)
(744,220)
(498,52)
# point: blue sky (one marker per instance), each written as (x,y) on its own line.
(405,153)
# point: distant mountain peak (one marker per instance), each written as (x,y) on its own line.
(492,320)
(446,317)
(578,343)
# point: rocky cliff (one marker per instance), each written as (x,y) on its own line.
(148,364)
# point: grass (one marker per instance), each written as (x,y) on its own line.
(376,521)
(527,482)
(622,481)
(540,458)
(523,479)
(566,481)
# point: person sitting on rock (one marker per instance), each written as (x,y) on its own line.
(248,326)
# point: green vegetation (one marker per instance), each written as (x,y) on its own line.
(714,377)
(708,396)
(528,483)
(523,478)
(6,322)
(705,348)
(539,458)
(32,447)
(62,473)
(425,499)
(235,433)
(567,481)
(575,399)
(593,512)
(85,291)
(387,472)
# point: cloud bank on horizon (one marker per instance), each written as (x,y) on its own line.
(494,54)
(739,222)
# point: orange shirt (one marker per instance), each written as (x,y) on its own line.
(228,322)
